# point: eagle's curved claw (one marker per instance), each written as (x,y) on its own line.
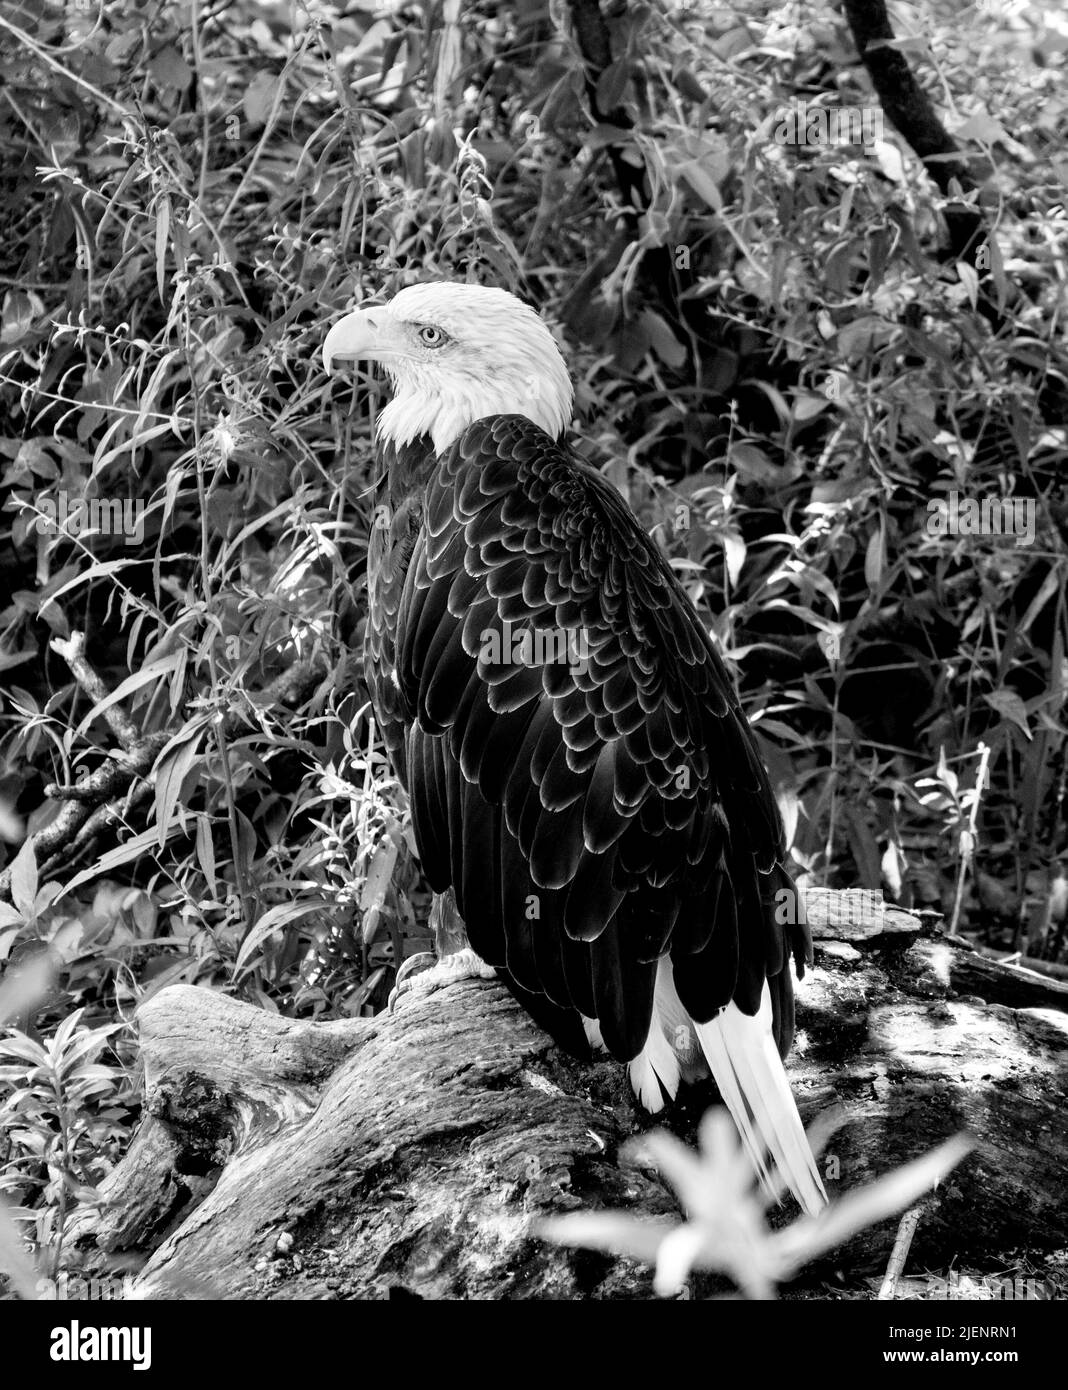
(414,965)
(415,977)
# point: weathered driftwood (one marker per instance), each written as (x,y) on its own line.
(411,1153)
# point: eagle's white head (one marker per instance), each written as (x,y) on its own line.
(455,354)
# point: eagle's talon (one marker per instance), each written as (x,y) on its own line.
(421,962)
(459,965)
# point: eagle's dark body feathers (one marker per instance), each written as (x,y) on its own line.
(591,815)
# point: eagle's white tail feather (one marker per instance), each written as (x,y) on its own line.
(714,1046)
(651,1069)
(676,1024)
(741,1054)
(670,1050)
(746,1066)
(655,1065)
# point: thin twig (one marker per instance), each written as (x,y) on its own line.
(72,650)
(900,1253)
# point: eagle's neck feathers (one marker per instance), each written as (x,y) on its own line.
(529,378)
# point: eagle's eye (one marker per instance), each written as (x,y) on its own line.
(431,336)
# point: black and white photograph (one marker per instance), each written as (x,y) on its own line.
(533,670)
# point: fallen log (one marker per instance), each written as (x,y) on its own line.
(412,1153)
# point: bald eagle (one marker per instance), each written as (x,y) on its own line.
(586,795)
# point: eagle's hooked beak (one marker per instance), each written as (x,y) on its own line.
(357,335)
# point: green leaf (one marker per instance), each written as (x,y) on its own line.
(970,280)
(702,183)
(24,879)
(375,887)
(163,227)
(734,550)
(611,85)
(663,342)
(25,987)
(137,845)
(175,761)
(1011,708)
(206,851)
(98,570)
(169,69)
(153,671)
(259,97)
(16,318)
(687,84)
(753,465)
(983,128)
(605,134)
(273,920)
(807,405)
(875,556)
